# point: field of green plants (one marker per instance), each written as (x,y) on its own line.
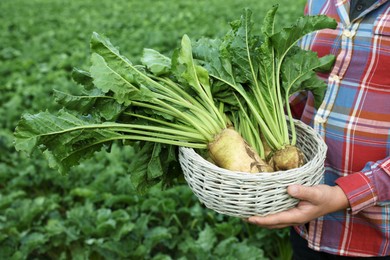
(95,212)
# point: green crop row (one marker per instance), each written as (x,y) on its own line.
(94,211)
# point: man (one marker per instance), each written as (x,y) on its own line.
(349,215)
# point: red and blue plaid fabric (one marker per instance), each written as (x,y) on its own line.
(354,120)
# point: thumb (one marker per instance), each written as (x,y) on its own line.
(302,192)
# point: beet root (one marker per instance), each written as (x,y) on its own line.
(230,151)
(290,157)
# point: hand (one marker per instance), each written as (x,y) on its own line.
(314,202)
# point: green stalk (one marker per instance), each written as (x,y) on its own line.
(164,89)
(183,95)
(174,88)
(192,120)
(156,85)
(248,130)
(272,91)
(169,142)
(186,118)
(169,135)
(149,139)
(264,127)
(283,124)
(200,111)
(168,124)
(150,135)
(280,100)
(268,119)
(205,93)
(291,121)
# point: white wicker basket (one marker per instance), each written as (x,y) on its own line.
(241,194)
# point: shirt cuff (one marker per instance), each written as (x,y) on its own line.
(359,190)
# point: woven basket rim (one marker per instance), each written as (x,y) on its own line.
(241,176)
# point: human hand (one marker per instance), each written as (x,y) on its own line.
(315,202)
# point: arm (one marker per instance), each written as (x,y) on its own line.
(369,187)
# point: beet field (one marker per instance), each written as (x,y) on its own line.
(105,208)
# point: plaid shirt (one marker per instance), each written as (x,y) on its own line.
(354,120)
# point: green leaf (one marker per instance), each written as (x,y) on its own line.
(139,167)
(240,46)
(32,241)
(151,163)
(112,71)
(64,138)
(260,66)
(299,67)
(157,63)
(107,79)
(83,192)
(116,250)
(55,227)
(156,235)
(186,69)
(160,256)
(227,229)
(207,52)
(317,87)
(105,224)
(253,65)
(124,230)
(284,40)
(267,78)
(327,63)
(83,78)
(96,105)
(230,248)
(155,169)
(206,239)
(268,26)
(102,46)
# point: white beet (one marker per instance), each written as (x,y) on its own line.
(290,157)
(230,151)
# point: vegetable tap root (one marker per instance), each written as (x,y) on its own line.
(288,158)
(230,151)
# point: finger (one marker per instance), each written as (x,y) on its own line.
(277,226)
(305,193)
(286,218)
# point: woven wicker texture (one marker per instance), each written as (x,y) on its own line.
(242,194)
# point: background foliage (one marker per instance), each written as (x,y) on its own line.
(94,212)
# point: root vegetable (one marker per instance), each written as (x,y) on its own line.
(230,151)
(288,158)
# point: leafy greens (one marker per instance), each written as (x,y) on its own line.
(207,85)
(266,71)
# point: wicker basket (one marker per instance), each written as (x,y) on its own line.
(242,194)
